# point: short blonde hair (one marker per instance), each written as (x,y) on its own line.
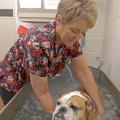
(76,9)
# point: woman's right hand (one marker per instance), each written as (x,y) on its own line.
(101,116)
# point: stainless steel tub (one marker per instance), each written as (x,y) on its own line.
(24,105)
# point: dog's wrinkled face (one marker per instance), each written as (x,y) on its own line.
(71,106)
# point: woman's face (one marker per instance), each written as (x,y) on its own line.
(70,32)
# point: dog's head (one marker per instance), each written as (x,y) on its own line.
(74,106)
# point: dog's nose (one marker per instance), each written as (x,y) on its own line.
(63,110)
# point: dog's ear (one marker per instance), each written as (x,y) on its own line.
(90,106)
(91,113)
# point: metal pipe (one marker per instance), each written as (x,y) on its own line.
(70,72)
(99,63)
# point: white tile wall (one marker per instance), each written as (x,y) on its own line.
(94,40)
(7,4)
(113,28)
(111,43)
(118,8)
(97,30)
(113,9)
(94,44)
(102,8)
(91,58)
(7,27)
(7,34)
(112,50)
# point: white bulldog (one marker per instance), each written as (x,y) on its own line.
(75,106)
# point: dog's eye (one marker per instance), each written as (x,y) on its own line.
(74,107)
(58,103)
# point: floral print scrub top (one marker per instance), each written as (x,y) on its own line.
(37,53)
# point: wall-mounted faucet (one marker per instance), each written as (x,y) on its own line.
(99,63)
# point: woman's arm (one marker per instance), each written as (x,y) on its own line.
(86,78)
(40,87)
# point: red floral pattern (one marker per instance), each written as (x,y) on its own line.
(34,52)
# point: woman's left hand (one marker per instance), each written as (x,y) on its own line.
(101,116)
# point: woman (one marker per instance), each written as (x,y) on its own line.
(43,51)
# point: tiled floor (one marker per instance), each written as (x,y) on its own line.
(31,109)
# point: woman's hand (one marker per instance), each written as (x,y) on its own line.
(101,109)
(101,116)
